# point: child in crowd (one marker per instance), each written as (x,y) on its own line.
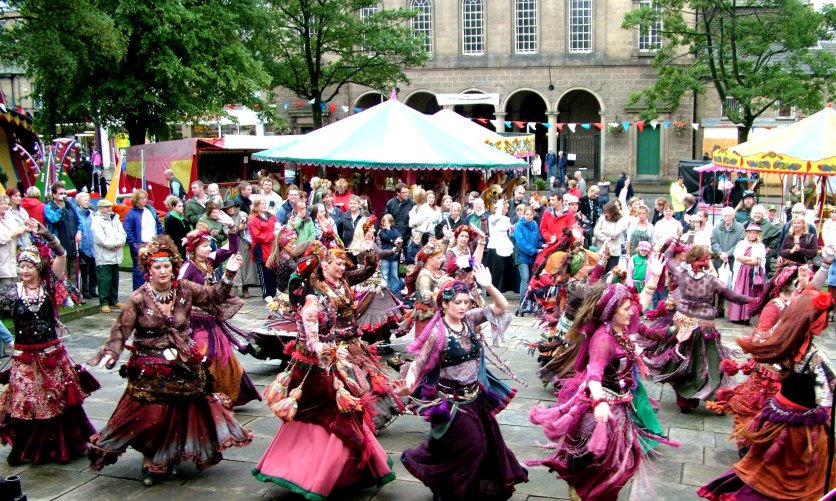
(639,265)
(390,238)
(413,248)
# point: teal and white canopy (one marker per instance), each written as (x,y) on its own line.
(390,135)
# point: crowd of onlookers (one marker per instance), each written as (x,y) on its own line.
(746,242)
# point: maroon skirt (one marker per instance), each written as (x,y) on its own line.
(168,432)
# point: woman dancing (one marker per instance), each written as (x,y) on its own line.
(213,334)
(423,281)
(167,413)
(593,427)
(466,456)
(40,412)
(788,456)
(326,441)
(691,362)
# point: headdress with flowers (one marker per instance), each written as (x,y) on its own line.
(369,223)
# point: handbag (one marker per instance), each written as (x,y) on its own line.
(724,274)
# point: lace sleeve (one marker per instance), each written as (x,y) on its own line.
(205,295)
(825,379)
(416,367)
(122,329)
(498,323)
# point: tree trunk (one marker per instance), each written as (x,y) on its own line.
(743,132)
(316,114)
(136,133)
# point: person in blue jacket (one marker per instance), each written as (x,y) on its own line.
(86,259)
(528,240)
(141,226)
(62,220)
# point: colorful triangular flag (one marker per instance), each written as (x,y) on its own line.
(520,125)
(559,127)
(358,110)
(695,126)
(666,124)
(546,125)
(640,125)
(586,126)
(507,125)
(572,127)
(284,105)
(625,125)
(344,108)
(654,123)
(600,125)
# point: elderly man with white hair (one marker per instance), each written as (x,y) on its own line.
(175,186)
(581,181)
(724,238)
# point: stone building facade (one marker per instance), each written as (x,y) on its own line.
(550,61)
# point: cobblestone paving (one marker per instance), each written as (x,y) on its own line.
(673,474)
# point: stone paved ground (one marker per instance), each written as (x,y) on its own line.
(674,475)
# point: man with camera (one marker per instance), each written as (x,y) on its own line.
(63,221)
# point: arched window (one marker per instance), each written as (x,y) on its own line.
(422,23)
(473,27)
(525,26)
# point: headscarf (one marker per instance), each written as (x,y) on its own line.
(285,236)
(196,238)
(610,301)
(428,251)
(578,261)
(31,255)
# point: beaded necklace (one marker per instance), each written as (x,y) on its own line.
(163,297)
(624,341)
(340,297)
(206,270)
(33,302)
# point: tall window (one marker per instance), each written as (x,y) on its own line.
(525,26)
(422,23)
(473,27)
(650,39)
(366,12)
(580,25)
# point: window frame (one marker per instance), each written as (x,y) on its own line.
(425,16)
(653,32)
(475,40)
(575,30)
(526,36)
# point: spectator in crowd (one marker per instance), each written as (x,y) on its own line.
(323,223)
(331,211)
(528,242)
(770,234)
(708,224)
(175,186)
(286,210)
(214,222)
(262,232)
(390,238)
(612,230)
(242,199)
(561,168)
(342,195)
(678,192)
(580,180)
(623,183)
(273,199)
(412,250)
(471,197)
(479,218)
(423,217)
(399,208)
(658,210)
(213,191)
(351,219)
(604,193)
(302,223)
(537,203)
(175,224)
(86,257)
(16,217)
(697,233)
(9,235)
(141,226)
(32,204)
(749,274)
(641,231)
(799,246)
(724,238)
(451,221)
(196,206)
(798,210)
(551,167)
(516,200)
(246,276)
(62,220)
(772,215)
(108,240)
(446,202)
(573,188)
(667,227)
(591,211)
(690,204)
(315,196)
(499,256)
(744,211)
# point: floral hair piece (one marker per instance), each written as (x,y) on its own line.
(460,263)
(369,223)
(822,301)
(449,290)
(431,249)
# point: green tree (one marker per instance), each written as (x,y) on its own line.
(141,65)
(316,47)
(762,53)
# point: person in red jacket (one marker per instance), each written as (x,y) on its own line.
(559,215)
(33,205)
(263,232)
